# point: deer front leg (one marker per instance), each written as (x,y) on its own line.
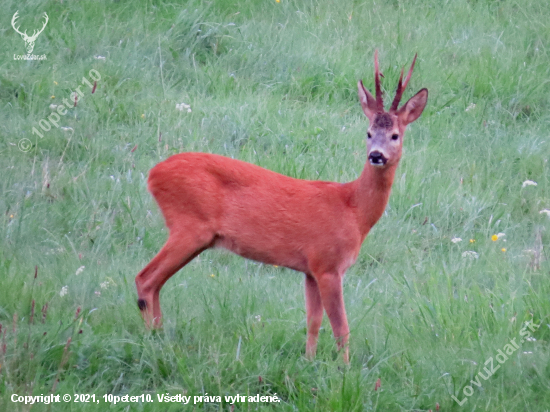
(330,288)
(314,313)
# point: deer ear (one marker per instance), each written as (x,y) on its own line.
(414,107)
(368,103)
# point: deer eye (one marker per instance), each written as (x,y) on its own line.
(369,135)
(394,136)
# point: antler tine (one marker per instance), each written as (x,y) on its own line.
(402,86)
(409,74)
(398,93)
(15,16)
(379,98)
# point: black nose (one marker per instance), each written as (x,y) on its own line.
(377,159)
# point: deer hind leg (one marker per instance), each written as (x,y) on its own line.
(180,248)
(314,313)
(330,288)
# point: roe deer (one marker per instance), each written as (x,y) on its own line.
(310,226)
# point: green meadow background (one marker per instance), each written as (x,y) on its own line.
(274,83)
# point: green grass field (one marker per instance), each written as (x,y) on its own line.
(274,83)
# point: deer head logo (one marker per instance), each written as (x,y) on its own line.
(29,40)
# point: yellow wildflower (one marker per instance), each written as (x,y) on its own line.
(503,249)
(494,238)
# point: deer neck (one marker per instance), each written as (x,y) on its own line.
(372,192)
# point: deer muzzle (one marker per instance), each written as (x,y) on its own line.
(377,158)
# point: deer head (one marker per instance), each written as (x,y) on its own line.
(29,40)
(386,129)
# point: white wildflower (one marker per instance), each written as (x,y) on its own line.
(97,57)
(529,183)
(258,318)
(456,240)
(53,106)
(80,270)
(499,235)
(470,107)
(183,106)
(547,211)
(97,293)
(66,129)
(64,291)
(470,254)
(108,282)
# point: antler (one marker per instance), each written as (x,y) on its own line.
(401,87)
(379,98)
(13,21)
(35,33)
